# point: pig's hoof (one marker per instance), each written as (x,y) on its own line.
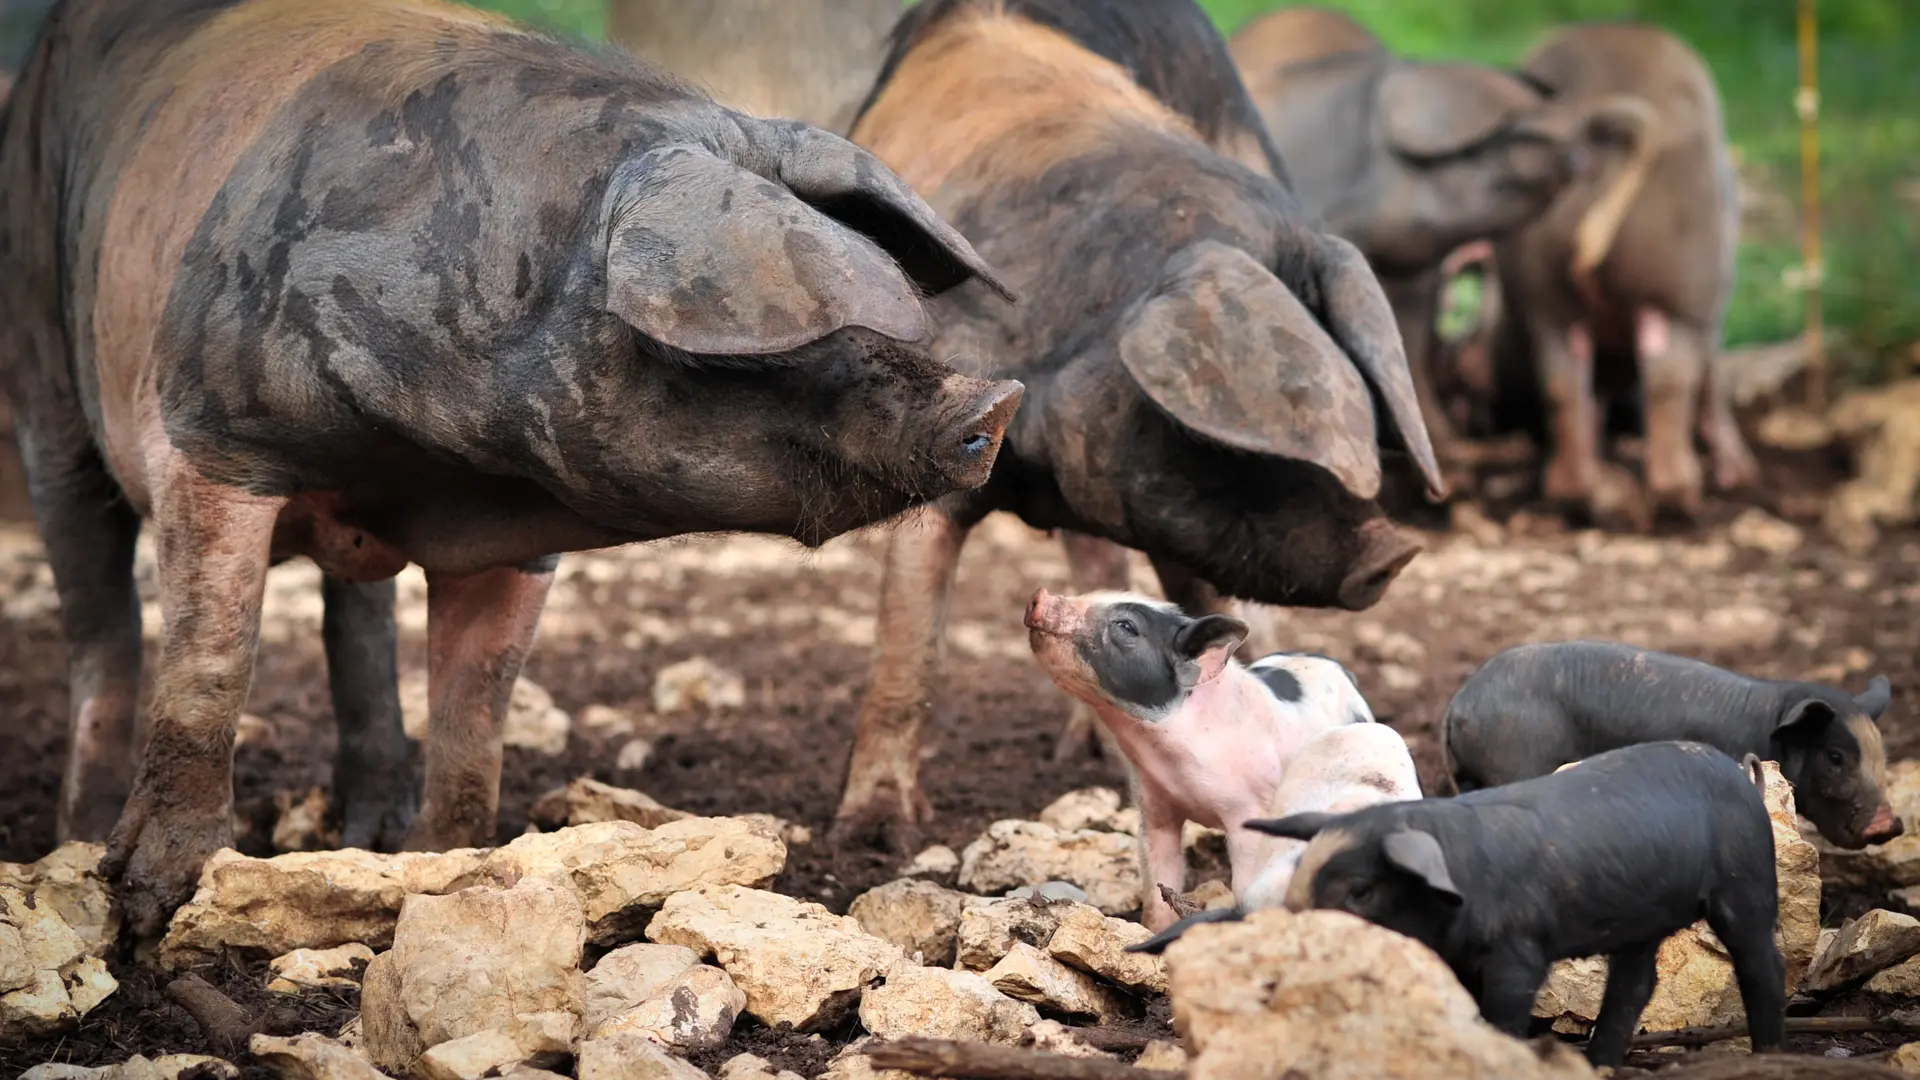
(1676,485)
(1734,469)
(427,835)
(154,858)
(1564,481)
(1618,503)
(375,804)
(889,820)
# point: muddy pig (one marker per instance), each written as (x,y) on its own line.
(1608,857)
(1535,707)
(434,289)
(1213,380)
(1338,771)
(1208,739)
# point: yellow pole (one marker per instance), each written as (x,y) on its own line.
(1807,104)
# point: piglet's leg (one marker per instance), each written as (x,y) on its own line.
(373,779)
(1566,361)
(1096,565)
(1166,861)
(479,629)
(1630,979)
(1743,919)
(883,799)
(213,544)
(1672,366)
(1508,984)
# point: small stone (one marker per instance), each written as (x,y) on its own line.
(1016,853)
(941,1003)
(1761,531)
(630,975)
(633,755)
(1900,980)
(251,730)
(310,1057)
(137,1067)
(607,720)
(919,916)
(1793,428)
(48,980)
(852,1063)
(587,800)
(312,969)
(988,931)
(1087,808)
(754,1067)
(1399,678)
(534,722)
(1055,1037)
(1031,975)
(1051,890)
(1871,943)
(300,823)
(632,1056)
(1163,1055)
(797,962)
(692,1013)
(67,878)
(695,683)
(1907,1058)
(469,1058)
(938,859)
(1096,944)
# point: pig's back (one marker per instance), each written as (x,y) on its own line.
(1533,708)
(1315,683)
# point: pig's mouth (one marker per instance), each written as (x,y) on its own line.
(1883,826)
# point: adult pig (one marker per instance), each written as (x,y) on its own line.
(1412,160)
(1202,362)
(1619,292)
(1608,857)
(1535,707)
(810,60)
(1209,740)
(1338,771)
(425,288)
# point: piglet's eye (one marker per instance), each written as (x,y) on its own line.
(1125,628)
(1836,758)
(1360,893)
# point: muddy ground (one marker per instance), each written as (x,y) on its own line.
(798,628)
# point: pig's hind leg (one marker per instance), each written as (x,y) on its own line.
(89,531)
(374,787)
(1743,918)
(1630,980)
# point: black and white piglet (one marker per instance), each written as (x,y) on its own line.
(1607,857)
(1533,708)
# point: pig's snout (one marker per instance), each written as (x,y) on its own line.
(1054,615)
(965,448)
(1884,826)
(1386,549)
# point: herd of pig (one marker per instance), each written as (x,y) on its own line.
(391,282)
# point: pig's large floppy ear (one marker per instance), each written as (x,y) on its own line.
(850,185)
(1230,354)
(1419,854)
(1435,110)
(1201,648)
(1876,697)
(1805,718)
(1294,826)
(710,258)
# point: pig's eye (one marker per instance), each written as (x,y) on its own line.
(1359,893)
(1836,759)
(1125,628)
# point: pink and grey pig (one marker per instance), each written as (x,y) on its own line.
(1207,737)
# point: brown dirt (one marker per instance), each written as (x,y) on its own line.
(798,629)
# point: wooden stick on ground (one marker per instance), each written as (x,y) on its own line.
(1899,1023)
(225,1024)
(982,1061)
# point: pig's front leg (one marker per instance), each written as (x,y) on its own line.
(1096,565)
(1508,985)
(1165,861)
(479,629)
(374,787)
(213,545)
(883,799)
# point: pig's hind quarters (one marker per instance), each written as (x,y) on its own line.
(1493,737)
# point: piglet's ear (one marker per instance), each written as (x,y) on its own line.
(1201,648)
(1876,697)
(1419,854)
(710,258)
(1293,826)
(1806,718)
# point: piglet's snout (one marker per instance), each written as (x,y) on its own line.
(1050,614)
(1884,826)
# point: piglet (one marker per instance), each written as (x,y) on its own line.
(1607,857)
(1208,738)
(1535,707)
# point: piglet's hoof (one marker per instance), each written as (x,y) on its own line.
(154,856)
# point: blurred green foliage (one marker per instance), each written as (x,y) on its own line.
(1869,129)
